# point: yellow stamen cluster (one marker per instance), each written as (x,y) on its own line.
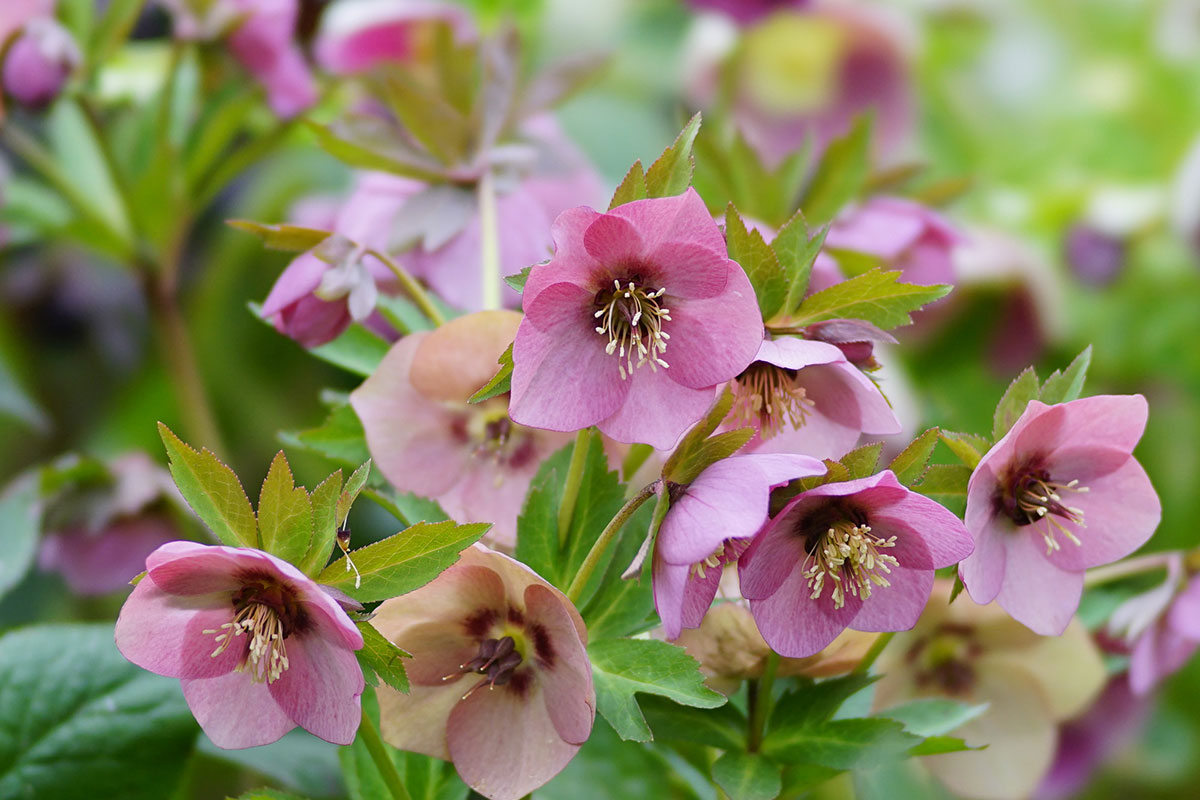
(848,557)
(266,654)
(1041,500)
(700,568)
(770,395)
(632,319)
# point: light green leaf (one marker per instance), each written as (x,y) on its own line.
(381,660)
(212,490)
(501,382)
(747,776)
(517,282)
(878,297)
(910,464)
(20,523)
(405,561)
(339,438)
(841,743)
(748,248)
(934,716)
(1023,389)
(112,29)
(16,402)
(622,668)
(1067,385)
(357,350)
(78,720)
(289,238)
(947,484)
(969,447)
(285,514)
(936,745)
(671,174)
(354,485)
(632,187)
(861,462)
(324,519)
(840,174)
(797,248)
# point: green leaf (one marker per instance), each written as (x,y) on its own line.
(818,701)
(517,282)
(947,484)
(750,250)
(20,522)
(671,174)
(501,382)
(709,452)
(878,297)
(969,447)
(285,514)
(212,490)
(936,745)
(16,402)
(632,187)
(357,350)
(747,776)
(840,174)
(269,794)
(796,250)
(78,720)
(354,485)
(405,561)
(73,142)
(339,438)
(374,146)
(912,462)
(112,29)
(861,462)
(1067,385)
(934,716)
(956,589)
(289,238)
(801,778)
(681,466)
(381,660)
(1023,389)
(841,743)
(324,519)
(723,727)
(623,667)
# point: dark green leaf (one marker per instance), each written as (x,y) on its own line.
(78,720)
(289,238)
(212,490)
(947,484)
(912,461)
(723,727)
(840,744)
(20,522)
(671,174)
(381,660)
(750,250)
(269,794)
(285,514)
(1023,389)
(840,174)
(878,297)
(1067,385)
(339,438)
(501,382)
(800,778)
(403,562)
(862,462)
(747,776)
(624,667)
(816,702)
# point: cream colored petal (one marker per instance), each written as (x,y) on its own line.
(1068,668)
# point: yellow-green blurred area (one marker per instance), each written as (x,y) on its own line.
(1044,115)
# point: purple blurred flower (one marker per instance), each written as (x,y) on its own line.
(905,235)
(357,36)
(1094,257)
(745,12)
(1161,626)
(39,61)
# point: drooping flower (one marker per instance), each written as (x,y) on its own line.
(259,648)
(977,654)
(804,396)
(501,683)
(631,325)
(356,36)
(1161,626)
(427,439)
(1058,494)
(907,236)
(39,61)
(857,554)
(709,524)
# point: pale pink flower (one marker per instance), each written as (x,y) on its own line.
(905,235)
(259,648)
(427,439)
(1058,494)
(858,554)
(710,522)
(633,323)
(39,61)
(356,36)
(15,14)
(1161,625)
(803,396)
(501,683)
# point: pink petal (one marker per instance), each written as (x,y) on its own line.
(687,270)
(571,261)
(899,606)
(192,568)
(614,242)
(562,664)
(682,218)
(504,744)
(772,557)
(298,280)
(417,721)
(320,689)
(1105,421)
(796,626)
(680,599)
(714,339)
(99,563)
(944,538)
(164,633)
(1157,654)
(235,711)
(438,648)
(982,572)
(1184,616)
(791,352)
(657,411)
(881,231)
(1036,593)
(1120,512)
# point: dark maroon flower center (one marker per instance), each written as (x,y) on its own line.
(1030,495)
(266,611)
(841,552)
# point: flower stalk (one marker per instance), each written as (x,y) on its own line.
(369,733)
(606,538)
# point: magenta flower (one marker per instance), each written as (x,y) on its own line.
(355,37)
(258,647)
(907,236)
(745,12)
(804,397)
(427,439)
(1028,500)
(631,325)
(39,62)
(858,554)
(501,683)
(708,526)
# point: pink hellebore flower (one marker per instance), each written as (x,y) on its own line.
(708,525)
(633,322)
(427,439)
(264,43)
(259,647)
(803,396)
(501,683)
(1162,625)
(859,554)
(746,11)
(1028,499)
(908,236)
(358,35)
(39,62)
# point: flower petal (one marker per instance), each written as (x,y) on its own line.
(656,411)
(320,689)
(1035,592)
(562,664)
(614,242)
(164,633)
(235,711)
(896,607)
(796,626)
(680,599)
(417,721)
(571,262)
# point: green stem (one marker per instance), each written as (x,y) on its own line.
(1123,569)
(760,702)
(369,733)
(877,647)
(412,288)
(592,559)
(489,243)
(566,509)
(238,162)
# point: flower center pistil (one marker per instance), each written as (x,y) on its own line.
(266,653)
(847,556)
(770,395)
(497,660)
(1037,498)
(632,319)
